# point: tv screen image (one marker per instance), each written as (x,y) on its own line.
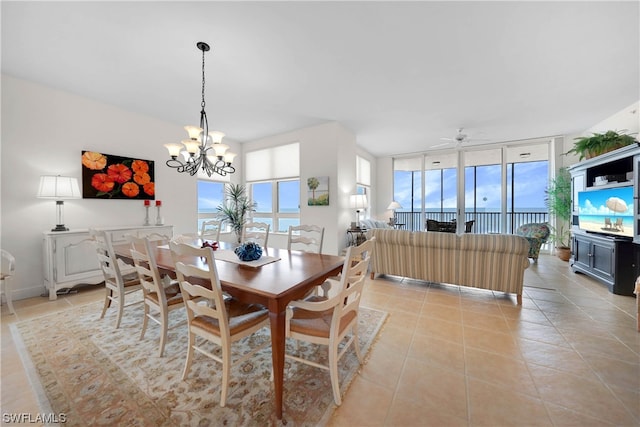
(607,210)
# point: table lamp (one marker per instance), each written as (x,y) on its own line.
(59,188)
(392,207)
(357,202)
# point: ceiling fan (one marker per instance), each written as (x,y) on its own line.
(458,139)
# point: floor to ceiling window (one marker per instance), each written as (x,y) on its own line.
(503,187)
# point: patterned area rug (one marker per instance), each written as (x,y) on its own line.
(98,375)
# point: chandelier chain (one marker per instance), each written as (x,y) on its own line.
(203,103)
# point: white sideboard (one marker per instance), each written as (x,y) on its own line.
(70,257)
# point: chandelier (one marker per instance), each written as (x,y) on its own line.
(203,149)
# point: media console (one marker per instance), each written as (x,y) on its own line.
(610,259)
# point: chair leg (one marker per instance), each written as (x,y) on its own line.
(356,342)
(187,364)
(164,318)
(145,320)
(8,297)
(333,370)
(226,373)
(120,309)
(107,301)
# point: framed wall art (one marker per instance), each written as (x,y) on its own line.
(107,176)
(318,194)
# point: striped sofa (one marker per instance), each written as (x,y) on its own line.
(486,261)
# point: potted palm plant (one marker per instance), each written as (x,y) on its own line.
(236,208)
(558,201)
(600,143)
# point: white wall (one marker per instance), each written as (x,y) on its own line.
(43,133)
(325,150)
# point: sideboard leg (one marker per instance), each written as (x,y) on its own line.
(519,299)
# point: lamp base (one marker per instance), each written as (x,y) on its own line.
(60,227)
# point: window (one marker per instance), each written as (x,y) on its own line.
(502,187)
(363,181)
(273,181)
(210,196)
(283,194)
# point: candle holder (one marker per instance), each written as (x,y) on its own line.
(159,220)
(146,217)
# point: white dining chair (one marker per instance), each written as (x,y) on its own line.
(307,238)
(7,272)
(210,230)
(218,320)
(330,321)
(257,232)
(120,281)
(161,294)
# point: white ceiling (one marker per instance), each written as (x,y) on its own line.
(400,75)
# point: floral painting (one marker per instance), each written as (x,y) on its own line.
(318,194)
(105,176)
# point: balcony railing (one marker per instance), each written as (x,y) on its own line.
(485,222)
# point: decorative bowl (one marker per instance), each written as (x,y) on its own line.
(248,251)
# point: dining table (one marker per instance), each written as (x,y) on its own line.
(287,276)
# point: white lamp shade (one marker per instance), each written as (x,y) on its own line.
(358,201)
(193,147)
(394,205)
(193,131)
(229,157)
(215,137)
(220,149)
(58,188)
(174,149)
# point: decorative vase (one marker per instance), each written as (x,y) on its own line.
(248,251)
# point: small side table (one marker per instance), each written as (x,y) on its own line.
(356,236)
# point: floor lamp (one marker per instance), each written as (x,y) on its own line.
(59,188)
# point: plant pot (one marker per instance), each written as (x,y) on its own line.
(564,253)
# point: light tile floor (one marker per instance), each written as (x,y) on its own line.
(449,356)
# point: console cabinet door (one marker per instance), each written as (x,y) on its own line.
(603,259)
(581,252)
(74,258)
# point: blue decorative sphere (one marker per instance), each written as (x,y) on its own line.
(248,251)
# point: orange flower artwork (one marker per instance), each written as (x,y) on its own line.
(107,176)
(130,189)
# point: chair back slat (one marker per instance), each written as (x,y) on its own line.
(147,268)
(257,232)
(190,277)
(307,238)
(210,230)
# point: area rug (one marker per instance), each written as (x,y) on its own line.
(95,374)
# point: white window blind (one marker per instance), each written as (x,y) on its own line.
(272,163)
(363,171)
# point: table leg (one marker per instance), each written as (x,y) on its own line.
(277,353)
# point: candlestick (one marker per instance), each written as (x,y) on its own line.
(159,220)
(146,216)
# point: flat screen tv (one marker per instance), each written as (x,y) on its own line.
(607,211)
